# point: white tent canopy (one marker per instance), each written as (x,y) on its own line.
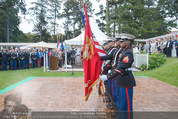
(41,45)
(100,36)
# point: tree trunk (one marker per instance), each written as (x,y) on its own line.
(107,18)
(55,22)
(7,30)
(40,33)
(80,16)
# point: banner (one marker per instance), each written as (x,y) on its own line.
(91,58)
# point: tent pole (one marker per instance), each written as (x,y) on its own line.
(47,58)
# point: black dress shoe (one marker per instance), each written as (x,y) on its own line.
(111,107)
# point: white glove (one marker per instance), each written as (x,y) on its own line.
(103,77)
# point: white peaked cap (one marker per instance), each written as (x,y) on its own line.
(126,36)
(110,38)
(117,36)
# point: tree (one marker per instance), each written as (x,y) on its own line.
(32,37)
(102,18)
(71,13)
(39,11)
(19,36)
(10,20)
(141,18)
(169,8)
(53,15)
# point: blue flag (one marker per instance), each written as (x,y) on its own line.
(83,19)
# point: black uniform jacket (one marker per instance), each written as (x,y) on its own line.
(108,56)
(121,74)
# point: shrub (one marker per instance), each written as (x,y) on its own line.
(155,61)
(143,67)
(142,52)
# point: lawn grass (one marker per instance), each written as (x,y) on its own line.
(168,72)
(8,78)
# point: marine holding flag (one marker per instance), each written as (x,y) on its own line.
(91,59)
(123,75)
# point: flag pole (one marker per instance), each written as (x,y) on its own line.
(103,91)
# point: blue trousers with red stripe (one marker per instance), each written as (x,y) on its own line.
(116,94)
(108,83)
(125,99)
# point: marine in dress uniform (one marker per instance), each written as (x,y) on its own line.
(116,58)
(34,57)
(21,57)
(4,59)
(110,49)
(10,58)
(123,76)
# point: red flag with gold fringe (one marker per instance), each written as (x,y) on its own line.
(91,58)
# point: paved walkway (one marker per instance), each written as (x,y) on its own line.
(81,69)
(67,94)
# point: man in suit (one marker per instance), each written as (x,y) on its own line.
(169,48)
(176,46)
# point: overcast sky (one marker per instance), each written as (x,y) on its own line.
(26,27)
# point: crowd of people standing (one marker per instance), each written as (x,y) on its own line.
(17,58)
(162,45)
(20,59)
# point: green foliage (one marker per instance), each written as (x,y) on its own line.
(142,52)
(156,60)
(71,13)
(39,12)
(168,72)
(169,8)
(142,18)
(9,19)
(53,9)
(102,16)
(143,67)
